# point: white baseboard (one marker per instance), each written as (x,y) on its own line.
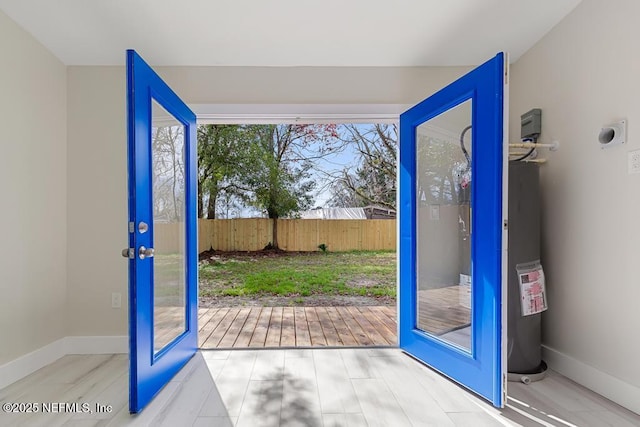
(97,345)
(19,368)
(27,364)
(624,394)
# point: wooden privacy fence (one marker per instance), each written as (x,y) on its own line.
(254,234)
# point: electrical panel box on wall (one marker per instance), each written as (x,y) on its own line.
(531,124)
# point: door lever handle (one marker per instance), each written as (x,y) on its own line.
(145,252)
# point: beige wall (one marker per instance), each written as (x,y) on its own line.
(33,169)
(97,200)
(98,164)
(583,74)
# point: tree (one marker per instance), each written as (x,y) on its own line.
(223,152)
(373,180)
(280,164)
(441,170)
(168,173)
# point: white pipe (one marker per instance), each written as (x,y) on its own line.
(535,161)
(553,146)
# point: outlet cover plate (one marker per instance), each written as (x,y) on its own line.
(116,300)
(634,161)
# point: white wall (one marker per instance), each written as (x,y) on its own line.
(33,170)
(583,74)
(97,161)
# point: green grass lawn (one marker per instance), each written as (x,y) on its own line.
(297,274)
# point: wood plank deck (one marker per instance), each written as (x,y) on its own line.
(440,311)
(270,327)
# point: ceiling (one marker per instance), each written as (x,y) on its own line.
(287,32)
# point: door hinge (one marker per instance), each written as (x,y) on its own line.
(506,72)
(504,389)
(132,227)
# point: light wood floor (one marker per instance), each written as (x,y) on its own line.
(301,387)
(257,327)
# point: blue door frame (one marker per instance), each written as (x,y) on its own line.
(483,368)
(149,370)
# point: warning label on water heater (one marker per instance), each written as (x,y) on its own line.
(533,298)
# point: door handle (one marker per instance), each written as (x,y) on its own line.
(145,252)
(128,253)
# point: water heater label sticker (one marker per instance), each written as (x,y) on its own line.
(533,297)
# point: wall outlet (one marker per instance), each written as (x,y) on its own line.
(434,212)
(634,161)
(116,300)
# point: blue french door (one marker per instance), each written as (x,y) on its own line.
(162,248)
(453,155)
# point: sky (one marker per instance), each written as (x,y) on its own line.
(331,164)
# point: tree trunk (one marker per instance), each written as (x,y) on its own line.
(211,206)
(273,214)
(200,202)
(275,234)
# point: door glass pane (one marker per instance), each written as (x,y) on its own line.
(169,288)
(443,226)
